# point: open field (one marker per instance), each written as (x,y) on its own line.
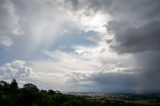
(145,99)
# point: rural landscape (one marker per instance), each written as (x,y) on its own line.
(30,95)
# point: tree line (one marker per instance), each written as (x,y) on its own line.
(30,95)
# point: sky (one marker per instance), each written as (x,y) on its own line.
(81,45)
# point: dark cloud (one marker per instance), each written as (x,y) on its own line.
(115,81)
(149,60)
(135,26)
(105,81)
(139,82)
(74,3)
(130,39)
(136,30)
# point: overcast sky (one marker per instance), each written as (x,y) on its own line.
(81,45)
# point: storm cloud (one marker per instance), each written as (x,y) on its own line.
(135,30)
(131,40)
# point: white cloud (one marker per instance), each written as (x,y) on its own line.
(9,23)
(44,21)
(6,41)
(76,68)
(94,22)
(14,69)
(9,20)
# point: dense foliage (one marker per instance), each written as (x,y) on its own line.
(30,95)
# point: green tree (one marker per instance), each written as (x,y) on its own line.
(31,87)
(13,85)
(4,86)
(51,92)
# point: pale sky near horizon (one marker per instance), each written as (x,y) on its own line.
(81,45)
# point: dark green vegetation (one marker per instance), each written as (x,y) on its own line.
(30,95)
